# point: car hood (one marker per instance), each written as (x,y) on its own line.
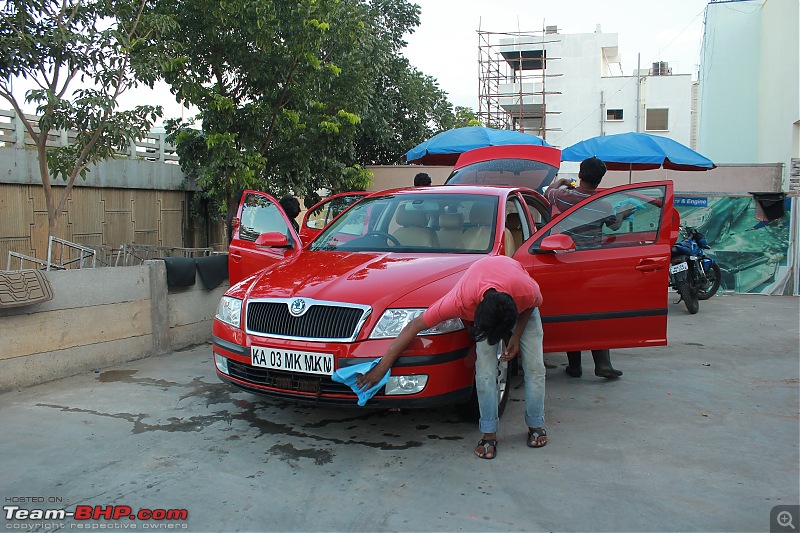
(375,279)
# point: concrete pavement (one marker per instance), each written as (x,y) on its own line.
(700,435)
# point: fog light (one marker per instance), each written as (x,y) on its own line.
(221,362)
(401,385)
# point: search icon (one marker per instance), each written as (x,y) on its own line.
(784,519)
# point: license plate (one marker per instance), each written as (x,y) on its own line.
(680,267)
(292,361)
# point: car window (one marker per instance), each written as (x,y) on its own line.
(538,210)
(412,223)
(319,217)
(591,225)
(260,215)
(516,172)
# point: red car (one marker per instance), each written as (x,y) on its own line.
(341,299)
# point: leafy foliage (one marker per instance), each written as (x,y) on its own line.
(265,75)
(104,47)
(297,96)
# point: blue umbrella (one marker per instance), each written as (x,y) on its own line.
(638,151)
(445,147)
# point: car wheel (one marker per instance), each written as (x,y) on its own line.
(470,410)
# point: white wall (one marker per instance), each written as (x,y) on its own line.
(750,83)
(729,80)
(583,90)
(779,82)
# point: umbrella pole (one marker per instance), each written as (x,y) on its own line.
(630,173)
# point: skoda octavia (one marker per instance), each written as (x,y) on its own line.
(297,312)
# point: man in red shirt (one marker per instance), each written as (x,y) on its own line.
(501,300)
(563,196)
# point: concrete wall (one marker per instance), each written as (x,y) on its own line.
(393,176)
(102,317)
(21,166)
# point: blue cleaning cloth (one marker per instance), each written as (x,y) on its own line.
(628,203)
(348,375)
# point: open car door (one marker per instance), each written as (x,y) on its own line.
(320,214)
(261,236)
(610,291)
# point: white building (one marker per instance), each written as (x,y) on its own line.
(570,88)
(749,104)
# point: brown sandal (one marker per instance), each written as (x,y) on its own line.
(487,443)
(534,437)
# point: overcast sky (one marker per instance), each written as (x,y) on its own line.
(446,45)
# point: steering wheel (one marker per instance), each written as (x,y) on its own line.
(387,236)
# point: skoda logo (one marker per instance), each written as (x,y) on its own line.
(297,307)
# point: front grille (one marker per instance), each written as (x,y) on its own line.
(288,381)
(321,321)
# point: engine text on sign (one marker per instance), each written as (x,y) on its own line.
(291,361)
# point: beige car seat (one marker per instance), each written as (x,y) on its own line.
(479,236)
(514,225)
(451,232)
(414,230)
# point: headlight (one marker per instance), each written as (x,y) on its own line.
(221,362)
(403,385)
(394,320)
(229,311)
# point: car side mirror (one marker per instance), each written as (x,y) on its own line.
(273,239)
(557,243)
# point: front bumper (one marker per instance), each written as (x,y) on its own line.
(450,382)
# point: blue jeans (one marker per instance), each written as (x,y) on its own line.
(533,365)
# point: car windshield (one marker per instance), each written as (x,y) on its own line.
(515,172)
(418,223)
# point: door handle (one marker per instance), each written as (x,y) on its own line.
(235,257)
(648,265)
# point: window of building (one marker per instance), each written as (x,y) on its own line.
(657,120)
(613,114)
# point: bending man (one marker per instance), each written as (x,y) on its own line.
(501,300)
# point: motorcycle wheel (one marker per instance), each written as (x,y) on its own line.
(689,297)
(714,277)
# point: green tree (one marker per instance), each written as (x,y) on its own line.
(276,90)
(464,117)
(405,106)
(82,55)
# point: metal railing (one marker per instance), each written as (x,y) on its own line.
(13,134)
(62,255)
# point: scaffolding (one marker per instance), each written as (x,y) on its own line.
(513,82)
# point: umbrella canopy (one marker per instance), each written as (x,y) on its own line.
(638,151)
(445,147)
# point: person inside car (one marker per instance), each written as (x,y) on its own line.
(501,300)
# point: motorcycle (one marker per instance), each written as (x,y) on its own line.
(692,273)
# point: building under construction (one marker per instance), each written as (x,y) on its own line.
(514,80)
(569,87)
